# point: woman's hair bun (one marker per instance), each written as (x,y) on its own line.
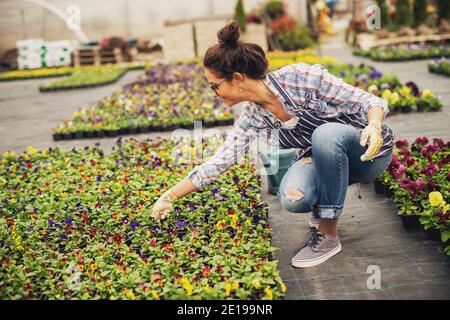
(229,35)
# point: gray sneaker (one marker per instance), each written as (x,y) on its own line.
(319,248)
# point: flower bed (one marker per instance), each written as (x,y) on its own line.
(166,97)
(35,74)
(75,225)
(279,59)
(440,66)
(418,179)
(400,97)
(86,78)
(404,52)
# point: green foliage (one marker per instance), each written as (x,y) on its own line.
(274,9)
(420,12)
(443,9)
(300,38)
(383,13)
(240,15)
(403,17)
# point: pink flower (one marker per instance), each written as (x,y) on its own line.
(422,140)
(400,144)
(439,143)
(405,153)
(410,162)
(429,170)
(401,169)
(419,184)
(407,184)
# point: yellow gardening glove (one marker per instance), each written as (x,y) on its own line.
(371,132)
(163,206)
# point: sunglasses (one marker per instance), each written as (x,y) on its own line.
(215,86)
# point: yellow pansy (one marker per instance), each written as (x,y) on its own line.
(435,198)
(207,288)
(427,93)
(256,284)
(386,94)
(154,294)
(228,289)
(187,286)
(269,293)
(405,91)
(32,150)
(222,224)
(130,295)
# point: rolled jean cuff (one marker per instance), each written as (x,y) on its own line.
(328,212)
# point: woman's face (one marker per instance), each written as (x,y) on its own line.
(227,90)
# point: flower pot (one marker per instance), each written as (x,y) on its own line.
(133,130)
(79,135)
(421,107)
(221,122)
(89,134)
(57,137)
(99,134)
(188,126)
(378,186)
(410,222)
(112,133)
(406,109)
(124,131)
(388,192)
(143,129)
(431,234)
(209,124)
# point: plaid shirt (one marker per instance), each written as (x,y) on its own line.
(310,87)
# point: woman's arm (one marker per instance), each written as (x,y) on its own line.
(234,148)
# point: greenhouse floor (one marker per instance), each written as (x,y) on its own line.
(370,231)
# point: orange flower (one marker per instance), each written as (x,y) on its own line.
(206,271)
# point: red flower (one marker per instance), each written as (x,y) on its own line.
(29,164)
(429,170)
(85,218)
(206,271)
(152,243)
(219,269)
(10,222)
(117,238)
(400,144)
(422,140)
(230,212)
(93,163)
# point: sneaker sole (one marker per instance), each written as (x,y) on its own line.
(315,262)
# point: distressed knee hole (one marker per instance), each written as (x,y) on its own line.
(293,194)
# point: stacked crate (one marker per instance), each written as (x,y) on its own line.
(96,56)
(37,53)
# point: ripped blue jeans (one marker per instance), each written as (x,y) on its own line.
(320,186)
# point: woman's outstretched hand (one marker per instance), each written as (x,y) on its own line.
(163,206)
(372,133)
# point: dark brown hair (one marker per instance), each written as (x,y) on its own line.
(231,55)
